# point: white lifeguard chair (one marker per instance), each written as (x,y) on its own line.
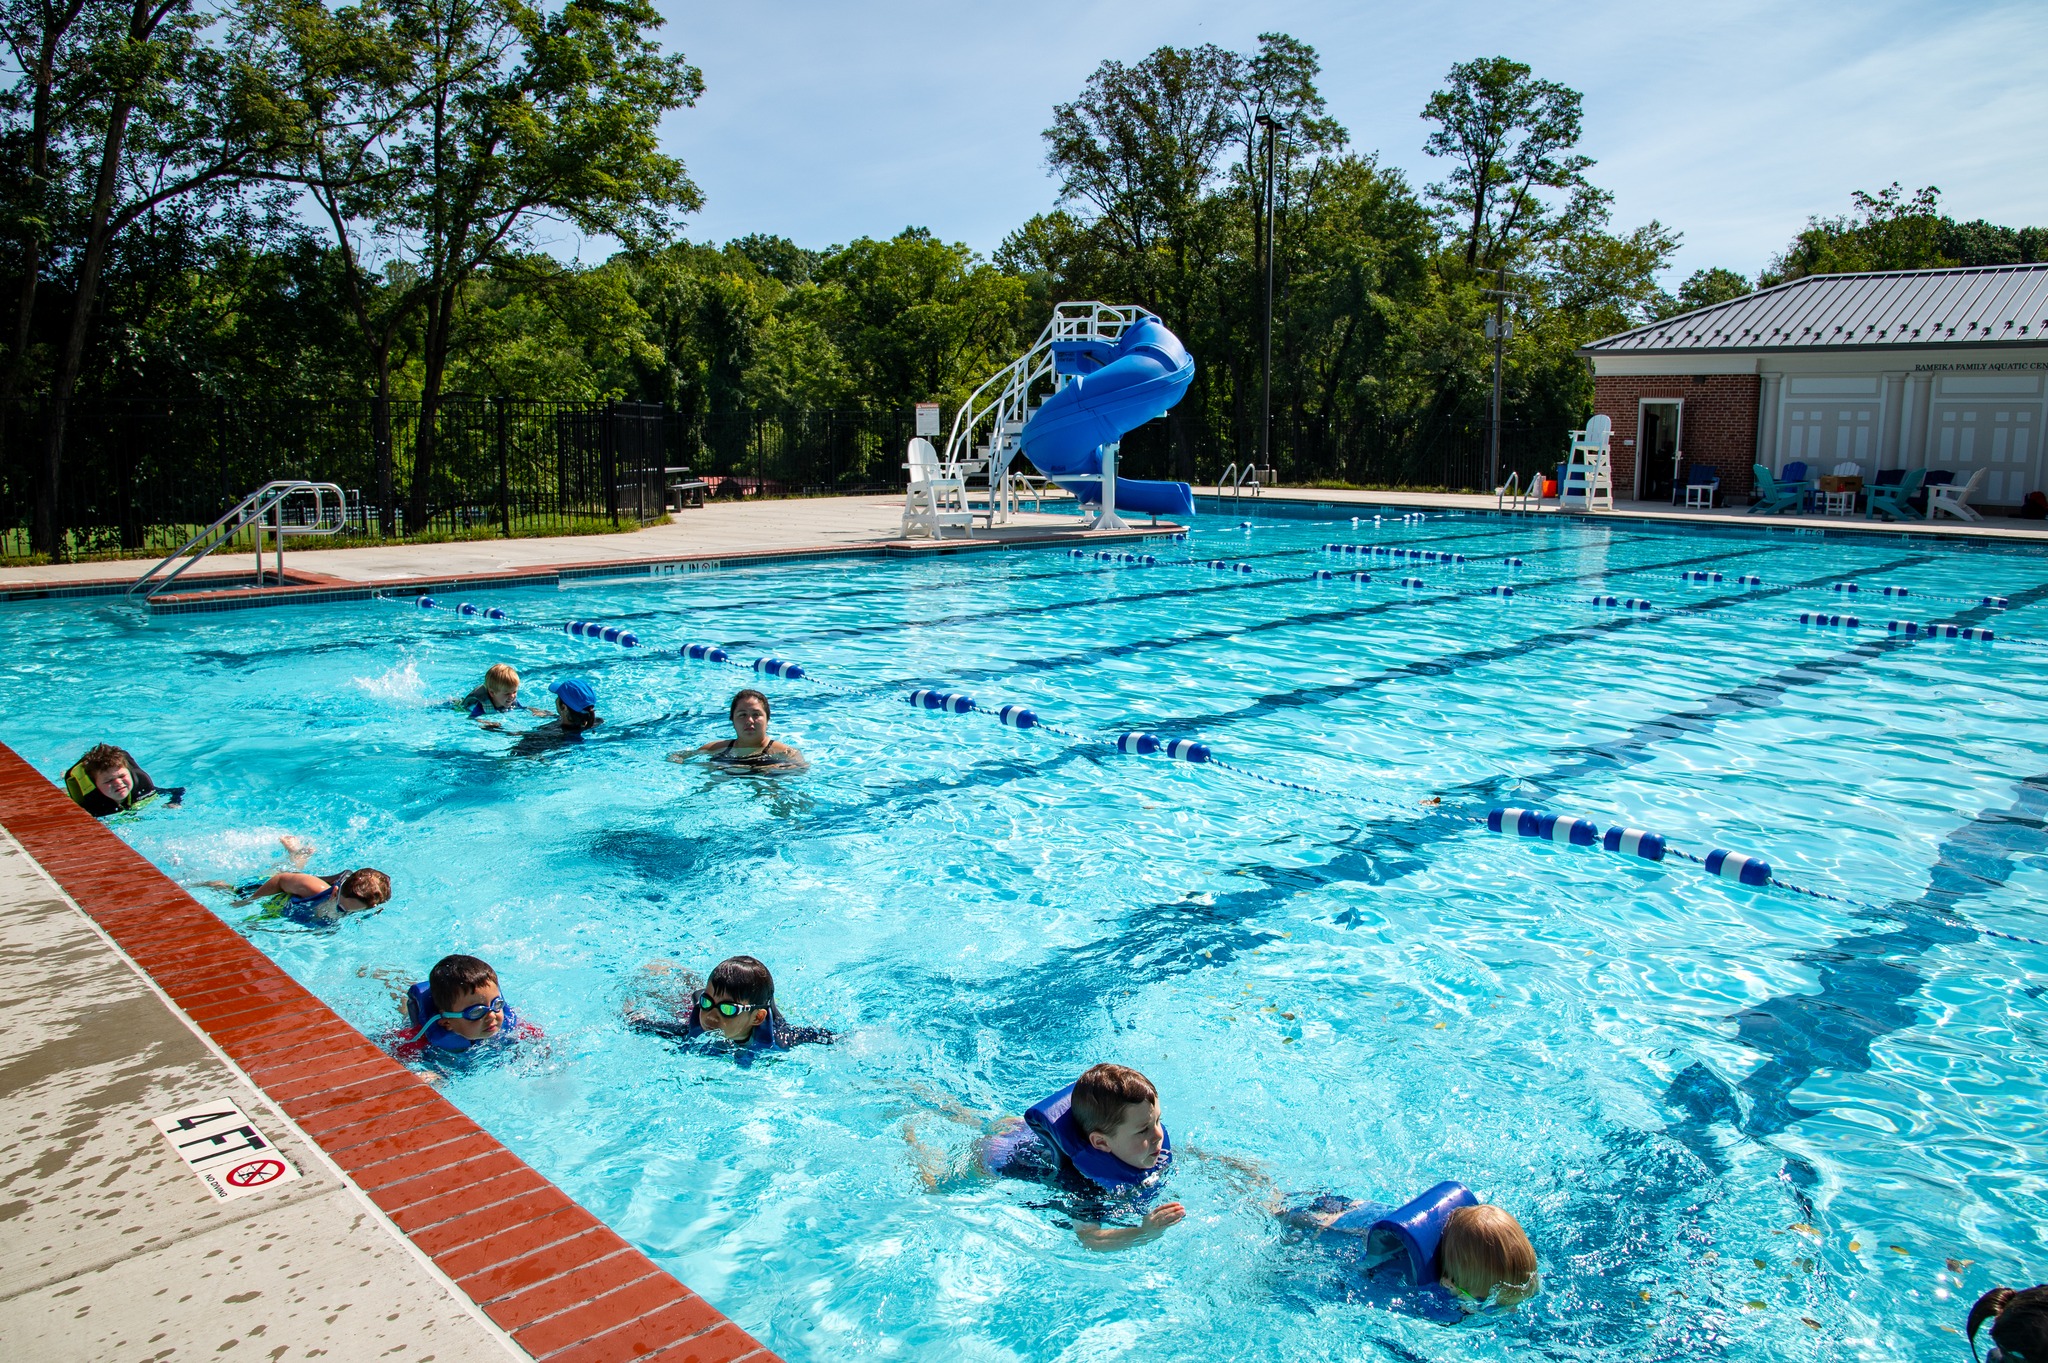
(936,497)
(1588,482)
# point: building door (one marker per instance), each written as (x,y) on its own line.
(1831,420)
(1657,421)
(1993,423)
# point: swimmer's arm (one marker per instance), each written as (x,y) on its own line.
(694,752)
(297,884)
(1106,1238)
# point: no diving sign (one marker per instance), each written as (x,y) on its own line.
(222,1146)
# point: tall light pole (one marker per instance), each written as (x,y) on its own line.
(1499,328)
(1266,342)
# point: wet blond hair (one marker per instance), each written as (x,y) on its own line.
(504,674)
(1485,1248)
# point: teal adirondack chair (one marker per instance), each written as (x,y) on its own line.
(1776,496)
(1893,500)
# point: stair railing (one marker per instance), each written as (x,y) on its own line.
(268,500)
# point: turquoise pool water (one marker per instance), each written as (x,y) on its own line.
(1737,1122)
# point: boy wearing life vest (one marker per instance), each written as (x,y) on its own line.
(498,695)
(107,781)
(1100,1140)
(735,1005)
(458,1008)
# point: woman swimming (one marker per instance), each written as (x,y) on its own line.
(750,749)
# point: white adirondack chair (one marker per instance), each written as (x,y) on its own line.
(1956,500)
(934,499)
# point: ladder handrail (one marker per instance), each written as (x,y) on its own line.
(1009,402)
(252,508)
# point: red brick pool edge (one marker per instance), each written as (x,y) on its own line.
(563,1285)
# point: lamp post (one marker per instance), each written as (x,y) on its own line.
(1499,328)
(1272,128)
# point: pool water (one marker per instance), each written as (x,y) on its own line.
(1737,1122)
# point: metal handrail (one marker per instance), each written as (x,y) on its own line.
(1003,399)
(267,500)
(1235,478)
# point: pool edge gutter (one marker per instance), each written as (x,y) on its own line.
(560,1283)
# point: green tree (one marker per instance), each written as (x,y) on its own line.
(1703,289)
(918,319)
(1509,137)
(174,102)
(470,123)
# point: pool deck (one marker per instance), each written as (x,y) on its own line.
(1992,529)
(724,533)
(717,534)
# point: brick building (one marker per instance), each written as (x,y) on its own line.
(1942,369)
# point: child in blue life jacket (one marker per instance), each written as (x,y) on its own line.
(736,1005)
(1442,1256)
(317,901)
(499,695)
(1100,1142)
(459,1008)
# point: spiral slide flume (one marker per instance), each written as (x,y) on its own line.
(1108,392)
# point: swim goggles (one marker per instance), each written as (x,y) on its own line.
(474,1013)
(705,1004)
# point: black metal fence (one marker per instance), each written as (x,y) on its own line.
(1440,456)
(142,477)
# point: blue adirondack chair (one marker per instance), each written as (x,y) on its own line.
(1893,500)
(1776,496)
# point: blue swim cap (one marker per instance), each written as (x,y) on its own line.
(576,693)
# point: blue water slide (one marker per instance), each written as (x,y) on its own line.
(1113,391)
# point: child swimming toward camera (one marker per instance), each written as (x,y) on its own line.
(736,1005)
(1100,1143)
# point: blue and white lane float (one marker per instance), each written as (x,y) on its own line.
(951,702)
(1534,823)
(426,603)
(1500,591)
(594,629)
(1633,603)
(488,613)
(1699,577)
(1179,749)
(1568,831)
(1734,866)
(1832,621)
(1912,629)
(777,667)
(705,653)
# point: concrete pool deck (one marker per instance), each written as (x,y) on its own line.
(719,533)
(765,531)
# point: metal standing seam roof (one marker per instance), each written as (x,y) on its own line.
(1997,305)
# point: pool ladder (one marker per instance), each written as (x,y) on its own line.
(267,501)
(1234,481)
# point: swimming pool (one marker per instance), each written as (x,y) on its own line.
(1736,1121)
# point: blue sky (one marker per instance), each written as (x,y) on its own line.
(1730,122)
